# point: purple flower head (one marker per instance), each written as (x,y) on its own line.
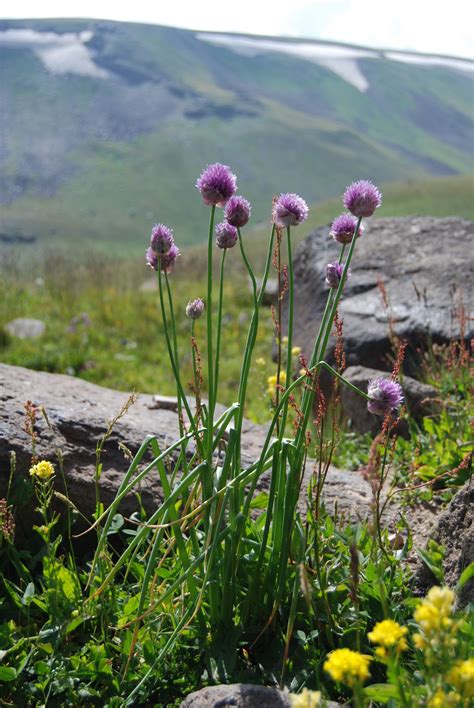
(385,396)
(343,228)
(362,198)
(237,211)
(226,235)
(168,260)
(152,258)
(161,239)
(217,184)
(165,261)
(195,308)
(289,210)
(334,272)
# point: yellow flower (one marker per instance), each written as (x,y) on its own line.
(260,361)
(462,677)
(433,613)
(296,351)
(43,470)
(272,382)
(389,633)
(302,372)
(347,666)
(306,699)
(443,700)
(419,642)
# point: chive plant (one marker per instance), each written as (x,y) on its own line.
(233,571)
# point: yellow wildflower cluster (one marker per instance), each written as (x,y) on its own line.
(296,351)
(306,699)
(389,635)
(433,615)
(347,666)
(42,470)
(272,382)
(443,699)
(462,677)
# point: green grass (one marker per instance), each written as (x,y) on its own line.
(119,348)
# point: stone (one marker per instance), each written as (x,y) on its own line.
(270,295)
(454,530)
(149,286)
(25,328)
(237,695)
(241,695)
(420,399)
(78,411)
(424,265)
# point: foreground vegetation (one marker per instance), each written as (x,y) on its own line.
(220,584)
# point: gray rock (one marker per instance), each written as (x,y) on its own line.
(25,328)
(241,695)
(149,286)
(454,529)
(420,399)
(270,295)
(425,268)
(78,412)
(237,695)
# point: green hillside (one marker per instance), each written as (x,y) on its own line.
(93,162)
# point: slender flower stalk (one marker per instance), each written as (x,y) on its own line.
(176,358)
(323,336)
(210,358)
(219,320)
(174,363)
(291,307)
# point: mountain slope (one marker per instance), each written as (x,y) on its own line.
(105,126)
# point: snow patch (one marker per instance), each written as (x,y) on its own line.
(338,59)
(60,53)
(458,64)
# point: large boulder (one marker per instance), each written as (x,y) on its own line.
(425,267)
(78,411)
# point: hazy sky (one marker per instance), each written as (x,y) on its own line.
(419,25)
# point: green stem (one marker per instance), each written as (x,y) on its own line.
(176,358)
(174,364)
(291,295)
(252,333)
(210,363)
(325,333)
(219,322)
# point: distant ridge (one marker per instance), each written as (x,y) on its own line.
(106,125)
